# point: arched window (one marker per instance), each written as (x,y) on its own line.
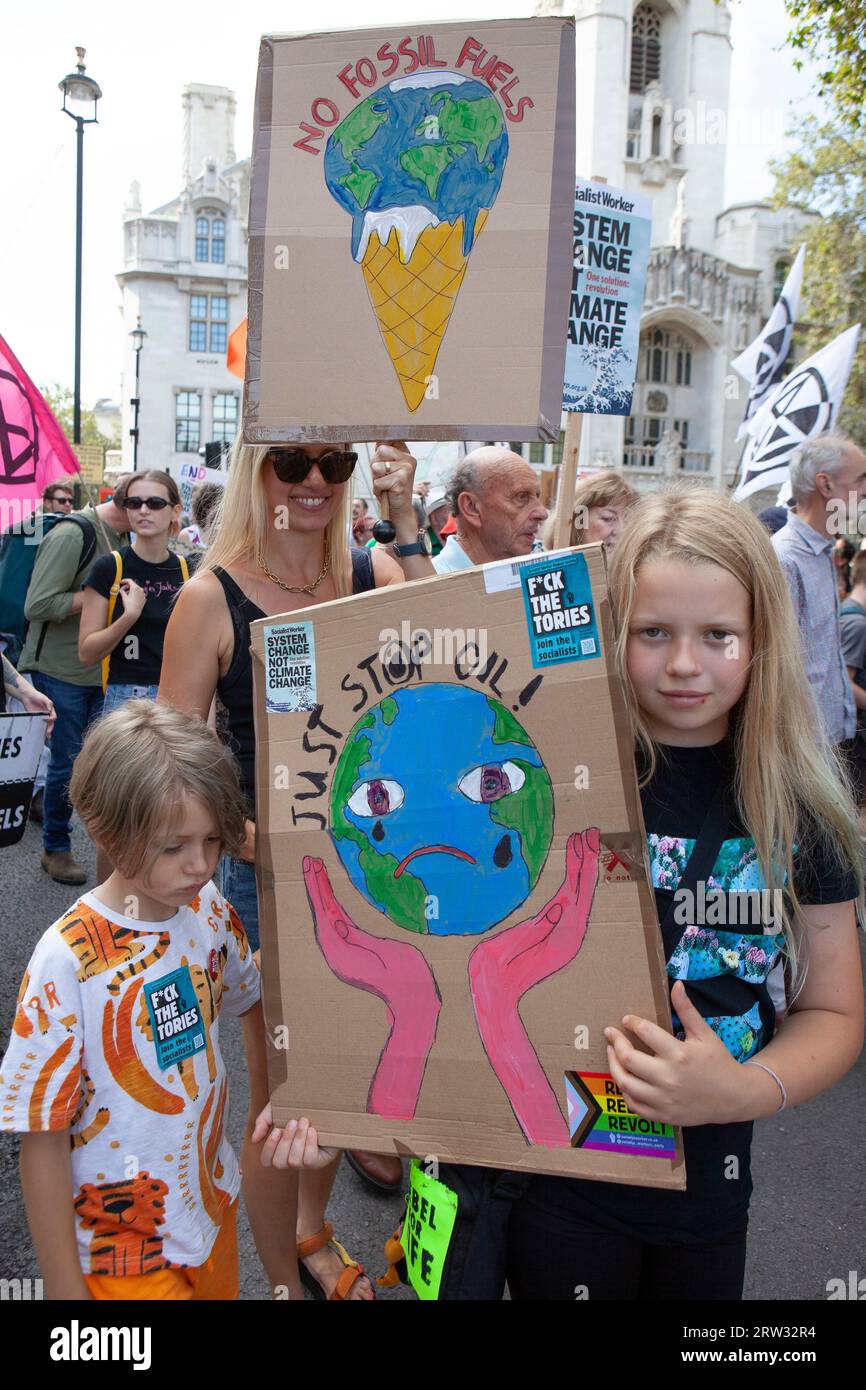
(656,146)
(656,356)
(646,49)
(684,362)
(210,237)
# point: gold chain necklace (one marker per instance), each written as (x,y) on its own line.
(297,588)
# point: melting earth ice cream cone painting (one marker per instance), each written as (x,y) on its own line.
(418,166)
(410,233)
(444,937)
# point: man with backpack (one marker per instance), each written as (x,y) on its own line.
(50,657)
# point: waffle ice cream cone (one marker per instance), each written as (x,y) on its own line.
(413,300)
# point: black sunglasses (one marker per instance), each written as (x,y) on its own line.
(153,504)
(293,465)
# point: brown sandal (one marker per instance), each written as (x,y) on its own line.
(347,1280)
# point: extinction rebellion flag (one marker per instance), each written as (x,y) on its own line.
(763,362)
(804,405)
(34,450)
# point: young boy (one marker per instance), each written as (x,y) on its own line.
(114,1073)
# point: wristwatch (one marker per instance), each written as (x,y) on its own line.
(419,547)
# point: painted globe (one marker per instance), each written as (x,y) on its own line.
(441,810)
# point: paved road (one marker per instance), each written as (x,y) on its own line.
(808,1220)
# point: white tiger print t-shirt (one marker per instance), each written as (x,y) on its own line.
(116,1039)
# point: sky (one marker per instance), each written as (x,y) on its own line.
(142,56)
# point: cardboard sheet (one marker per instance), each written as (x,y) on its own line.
(410,233)
(452,872)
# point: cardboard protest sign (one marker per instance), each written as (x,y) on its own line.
(411,199)
(612,229)
(22,737)
(454,899)
(191,474)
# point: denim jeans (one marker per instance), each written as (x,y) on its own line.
(238,886)
(77,706)
(117,695)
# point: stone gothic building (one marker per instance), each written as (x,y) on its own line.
(653,117)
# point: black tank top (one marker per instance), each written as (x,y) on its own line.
(235,688)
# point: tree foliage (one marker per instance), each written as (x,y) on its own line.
(833,33)
(61,404)
(827,172)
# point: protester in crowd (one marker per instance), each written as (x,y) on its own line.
(18,546)
(14,687)
(825,472)
(732,770)
(204,504)
(440,523)
(601,504)
(57,498)
(127,638)
(494,496)
(362,529)
(773,518)
(53,608)
(852,621)
(843,553)
(128,597)
(258,566)
(160,795)
(708,651)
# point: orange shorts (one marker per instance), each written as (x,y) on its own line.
(217,1278)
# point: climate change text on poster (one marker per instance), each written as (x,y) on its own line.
(611,245)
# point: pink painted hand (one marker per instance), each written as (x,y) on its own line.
(502,969)
(399,975)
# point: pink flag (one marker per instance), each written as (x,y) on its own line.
(34,451)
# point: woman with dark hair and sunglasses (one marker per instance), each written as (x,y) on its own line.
(281,544)
(143,580)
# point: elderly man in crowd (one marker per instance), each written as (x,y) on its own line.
(495,497)
(828,477)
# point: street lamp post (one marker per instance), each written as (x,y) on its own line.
(80,95)
(138,335)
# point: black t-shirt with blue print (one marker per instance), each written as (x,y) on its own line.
(729,957)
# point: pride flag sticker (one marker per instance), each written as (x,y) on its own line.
(599,1118)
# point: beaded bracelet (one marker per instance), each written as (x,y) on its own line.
(783,1093)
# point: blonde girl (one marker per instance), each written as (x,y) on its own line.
(744,809)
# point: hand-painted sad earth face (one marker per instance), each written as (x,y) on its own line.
(441,810)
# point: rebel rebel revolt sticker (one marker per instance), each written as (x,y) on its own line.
(559,610)
(175,1017)
(290,668)
(599,1118)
